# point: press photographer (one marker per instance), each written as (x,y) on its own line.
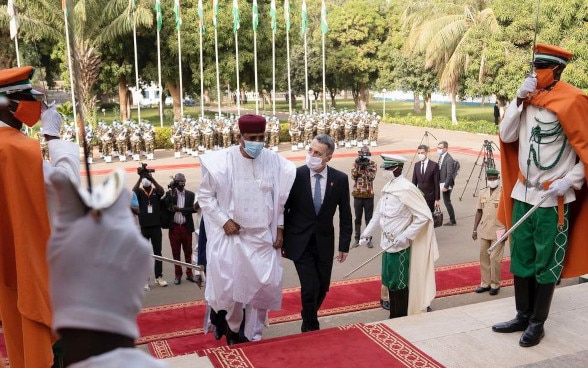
(151,214)
(363,174)
(181,204)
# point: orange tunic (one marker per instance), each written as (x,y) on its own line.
(24,232)
(571,107)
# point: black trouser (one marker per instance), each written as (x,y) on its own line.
(448,205)
(431,205)
(360,205)
(153,233)
(315,278)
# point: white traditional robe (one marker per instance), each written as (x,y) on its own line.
(244,268)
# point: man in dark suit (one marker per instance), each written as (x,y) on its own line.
(181,205)
(426,177)
(446,179)
(309,234)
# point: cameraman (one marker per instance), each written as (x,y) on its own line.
(149,193)
(181,204)
(363,175)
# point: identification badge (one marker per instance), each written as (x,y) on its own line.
(149,208)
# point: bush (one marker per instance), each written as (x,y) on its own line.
(442,122)
(162,138)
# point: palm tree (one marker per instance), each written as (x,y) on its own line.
(445,31)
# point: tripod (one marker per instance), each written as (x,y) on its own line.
(486,153)
(425,138)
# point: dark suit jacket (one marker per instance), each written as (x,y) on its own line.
(301,222)
(429,182)
(187,210)
(446,171)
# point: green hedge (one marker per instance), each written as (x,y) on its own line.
(162,138)
(442,122)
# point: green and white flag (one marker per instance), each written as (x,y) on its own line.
(236,18)
(13,22)
(255,14)
(201,16)
(158,15)
(214,12)
(287,14)
(274,15)
(303,19)
(324,25)
(178,14)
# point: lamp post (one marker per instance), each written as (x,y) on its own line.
(310,99)
(384,106)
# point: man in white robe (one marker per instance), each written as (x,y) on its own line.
(242,196)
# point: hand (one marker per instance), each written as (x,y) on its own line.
(51,121)
(475,235)
(231,228)
(364,240)
(529,86)
(559,187)
(401,241)
(436,204)
(341,257)
(443,190)
(279,239)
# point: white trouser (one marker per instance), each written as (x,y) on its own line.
(254,320)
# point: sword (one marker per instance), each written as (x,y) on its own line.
(370,259)
(517,224)
(198,268)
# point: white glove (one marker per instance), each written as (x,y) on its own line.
(364,241)
(559,187)
(51,121)
(529,86)
(401,241)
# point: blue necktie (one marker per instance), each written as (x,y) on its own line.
(316,199)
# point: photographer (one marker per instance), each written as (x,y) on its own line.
(363,175)
(181,204)
(149,193)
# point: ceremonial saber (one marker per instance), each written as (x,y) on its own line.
(517,224)
(179,263)
(369,260)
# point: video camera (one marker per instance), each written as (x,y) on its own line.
(172,185)
(143,171)
(363,158)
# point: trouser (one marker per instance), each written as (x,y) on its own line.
(202,240)
(395,274)
(181,239)
(448,205)
(360,205)
(490,264)
(254,320)
(153,233)
(431,205)
(315,278)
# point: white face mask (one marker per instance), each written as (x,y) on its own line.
(439,151)
(493,183)
(388,175)
(421,157)
(314,163)
(145,182)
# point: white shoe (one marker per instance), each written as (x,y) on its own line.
(160,281)
(147,288)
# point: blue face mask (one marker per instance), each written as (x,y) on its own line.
(253,149)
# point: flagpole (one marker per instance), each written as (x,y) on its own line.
(136,69)
(159,67)
(287,16)
(255,20)
(17,53)
(236,31)
(274,29)
(178,27)
(214,21)
(304,26)
(70,70)
(324,32)
(201,23)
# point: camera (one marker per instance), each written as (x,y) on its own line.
(143,171)
(172,185)
(363,158)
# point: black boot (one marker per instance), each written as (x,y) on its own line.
(534,332)
(398,303)
(220,323)
(232,337)
(524,301)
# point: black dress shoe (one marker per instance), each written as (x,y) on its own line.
(177,281)
(482,289)
(232,337)
(514,325)
(429,309)
(385,304)
(190,278)
(494,291)
(532,335)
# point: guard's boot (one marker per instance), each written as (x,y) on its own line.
(398,303)
(524,301)
(535,332)
(218,319)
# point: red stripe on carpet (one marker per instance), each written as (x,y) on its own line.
(185,319)
(355,345)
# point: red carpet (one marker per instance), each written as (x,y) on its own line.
(356,345)
(178,323)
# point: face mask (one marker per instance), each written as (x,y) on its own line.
(493,183)
(181,186)
(314,163)
(439,151)
(28,112)
(253,149)
(388,174)
(145,182)
(421,157)
(544,77)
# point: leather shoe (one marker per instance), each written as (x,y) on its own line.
(494,291)
(482,289)
(450,223)
(513,325)
(190,278)
(429,309)
(532,335)
(177,281)
(232,337)
(385,304)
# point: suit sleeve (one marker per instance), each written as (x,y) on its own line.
(345,219)
(436,176)
(449,179)
(414,173)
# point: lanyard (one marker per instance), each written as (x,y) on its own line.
(148,194)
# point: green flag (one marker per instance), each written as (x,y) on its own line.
(324,26)
(214,12)
(255,11)
(287,14)
(236,18)
(158,15)
(201,15)
(303,19)
(273,14)
(178,14)
(131,10)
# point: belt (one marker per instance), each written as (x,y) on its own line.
(544,186)
(176,224)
